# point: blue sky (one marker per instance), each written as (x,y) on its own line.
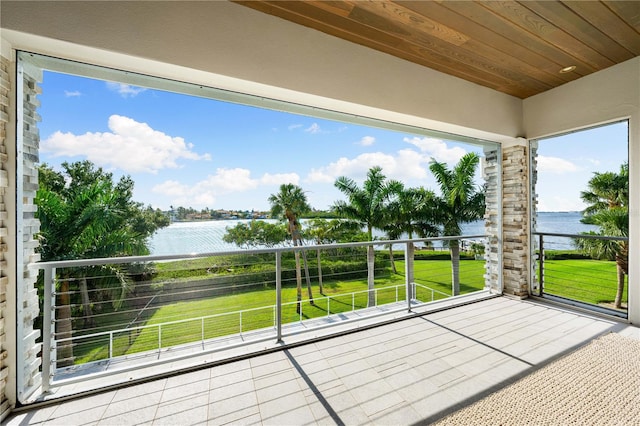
(193,152)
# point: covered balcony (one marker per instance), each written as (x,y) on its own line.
(500,75)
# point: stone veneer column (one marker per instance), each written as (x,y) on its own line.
(515,220)
(30,226)
(4,277)
(492,251)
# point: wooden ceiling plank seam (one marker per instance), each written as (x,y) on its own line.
(467,55)
(513,32)
(602,17)
(628,11)
(559,15)
(529,21)
(493,40)
(366,42)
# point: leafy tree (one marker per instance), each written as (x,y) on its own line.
(368,207)
(607,196)
(460,201)
(256,233)
(84,214)
(289,203)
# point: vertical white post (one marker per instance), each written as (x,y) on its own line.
(159,338)
(408,272)
(48,321)
(278,313)
(110,344)
(328,306)
(241,323)
(202,329)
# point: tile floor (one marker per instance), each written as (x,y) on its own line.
(411,371)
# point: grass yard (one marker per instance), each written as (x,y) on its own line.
(589,281)
(221,315)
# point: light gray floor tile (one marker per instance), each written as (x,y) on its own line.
(138,416)
(184,411)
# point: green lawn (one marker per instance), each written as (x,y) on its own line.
(589,281)
(223,318)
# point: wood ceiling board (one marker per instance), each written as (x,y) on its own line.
(599,15)
(470,53)
(558,14)
(628,11)
(515,33)
(540,27)
(539,66)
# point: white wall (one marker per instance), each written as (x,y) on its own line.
(608,95)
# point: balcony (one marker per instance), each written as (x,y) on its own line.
(416,370)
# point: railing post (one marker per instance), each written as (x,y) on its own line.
(240,323)
(328,306)
(110,344)
(202,329)
(278,315)
(541,263)
(353,302)
(48,321)
(408,272)
(159,338)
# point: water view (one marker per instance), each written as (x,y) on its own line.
(206,236)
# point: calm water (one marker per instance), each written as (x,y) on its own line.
(206,237)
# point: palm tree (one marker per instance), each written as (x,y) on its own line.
(608,207)
(460,201)
(368,206)
(87,217)
(411,211)
(289,203)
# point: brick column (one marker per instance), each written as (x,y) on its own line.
(515,220)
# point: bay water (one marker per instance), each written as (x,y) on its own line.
(206,236)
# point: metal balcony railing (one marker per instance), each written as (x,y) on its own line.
(568,274)
(103,316)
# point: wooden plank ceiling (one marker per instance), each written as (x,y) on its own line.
(515,47)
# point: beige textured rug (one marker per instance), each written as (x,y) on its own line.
(598,384)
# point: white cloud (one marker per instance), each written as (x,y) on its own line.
(437,149)
(280,178)
(130,146)
(223,183)
(73,94)
(405,164)
(367,141)
(313,129)
(555,165)
(125,90)
(294,126)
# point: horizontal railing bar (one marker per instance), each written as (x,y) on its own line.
(132,259)
(585,236)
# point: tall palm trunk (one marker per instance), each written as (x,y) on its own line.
(370,275)
(455,266)
(87,312)
(392,260)
(64,329)
(620,291)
